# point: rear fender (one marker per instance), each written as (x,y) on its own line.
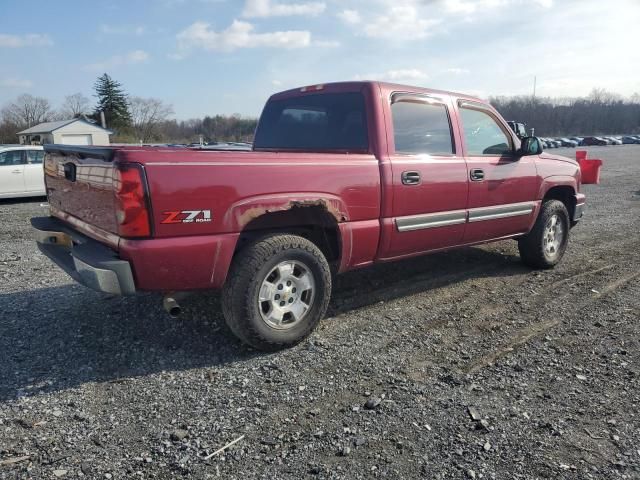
(249,209)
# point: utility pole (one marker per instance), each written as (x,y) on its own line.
(535,78)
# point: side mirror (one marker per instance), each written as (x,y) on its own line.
(530,146)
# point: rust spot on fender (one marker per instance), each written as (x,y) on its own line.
(243,217)
(250,214)
(331,206)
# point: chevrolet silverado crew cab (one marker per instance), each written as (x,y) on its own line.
(340,176)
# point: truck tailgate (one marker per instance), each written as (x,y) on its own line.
(79,184)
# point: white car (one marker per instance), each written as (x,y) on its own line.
(21,171)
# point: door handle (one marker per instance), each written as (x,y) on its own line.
(410,178)
(16,171)
(476,174)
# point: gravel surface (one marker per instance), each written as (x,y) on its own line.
(458,365)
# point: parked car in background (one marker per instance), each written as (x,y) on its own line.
(592,141)
(614,140)
(629,140)
(567,142)
(519,128)
(21,173)
(547,142)
(578,140)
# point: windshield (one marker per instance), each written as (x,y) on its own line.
(321,122)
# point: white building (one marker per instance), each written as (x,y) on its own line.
(76,131)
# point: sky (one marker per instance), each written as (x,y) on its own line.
(207,57)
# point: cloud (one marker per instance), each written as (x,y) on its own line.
(15,83)
(270,8)
(27,40)
(400,22)
(456,71)
(132,58)
(472,6)
(468,6)
(350,17)
(238,35)
(123,29)
(403,75)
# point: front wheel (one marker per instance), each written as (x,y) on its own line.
(277,291)
(545,244)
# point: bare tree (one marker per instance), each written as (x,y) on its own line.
(75,105)
(27,111)
(147,114)
(602,96)
(601,113)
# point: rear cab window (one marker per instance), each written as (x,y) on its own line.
(483,134)
(314,122)
(421,125)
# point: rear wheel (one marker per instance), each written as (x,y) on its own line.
(545,245)
(277,291)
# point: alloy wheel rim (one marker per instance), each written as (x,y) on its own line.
(553,236)
(286,295)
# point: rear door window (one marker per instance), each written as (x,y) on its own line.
(421,127)
(321,122)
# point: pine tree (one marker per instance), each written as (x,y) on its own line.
(113,101)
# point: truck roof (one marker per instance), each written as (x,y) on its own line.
(386,87)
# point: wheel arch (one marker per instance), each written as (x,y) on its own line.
(314,217)
(565,194)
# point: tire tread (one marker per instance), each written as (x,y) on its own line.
(531,246)
(237,290)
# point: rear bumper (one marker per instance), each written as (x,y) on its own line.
(158,264)
(580,207)
(87,261)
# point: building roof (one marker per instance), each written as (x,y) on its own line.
(48,127)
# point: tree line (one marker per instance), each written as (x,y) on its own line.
(136,119)
(600,113)
(133,119)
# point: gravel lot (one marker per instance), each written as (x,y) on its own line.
(457,365)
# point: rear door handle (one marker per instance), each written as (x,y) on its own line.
(476,174)
(410,178)
(16,171)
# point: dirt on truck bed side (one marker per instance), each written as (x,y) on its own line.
(463,364)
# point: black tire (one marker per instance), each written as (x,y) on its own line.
(250,268)
(533,247)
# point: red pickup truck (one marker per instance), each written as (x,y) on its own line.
(340,176)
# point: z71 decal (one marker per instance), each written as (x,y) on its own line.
(187,216)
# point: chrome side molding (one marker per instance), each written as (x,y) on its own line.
(500,211)
(456,217)
(431,220)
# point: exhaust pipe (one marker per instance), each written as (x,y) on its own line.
(171,305)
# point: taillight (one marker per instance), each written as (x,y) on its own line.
(132,212)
